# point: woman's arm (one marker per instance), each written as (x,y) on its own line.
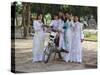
(82,34)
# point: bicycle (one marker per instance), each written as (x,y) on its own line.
(52,47)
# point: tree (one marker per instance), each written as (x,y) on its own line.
(26,13)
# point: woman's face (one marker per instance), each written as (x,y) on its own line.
(60,14)
(71,17)
(55,17)
(67,15)
(76,18)
(40,17)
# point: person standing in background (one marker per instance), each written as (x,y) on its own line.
(55,24)
(77,41)
(61,31)
(71,36)
(38,39)
(69,24)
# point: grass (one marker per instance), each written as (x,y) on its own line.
(90,36)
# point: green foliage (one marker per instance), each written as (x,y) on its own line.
(54,8)
(87,34)
(19,9)
(76,10)
(47,19)
(90,36)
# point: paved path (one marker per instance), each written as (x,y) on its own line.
(23,58)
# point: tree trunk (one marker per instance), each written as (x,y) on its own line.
(26,19)
(23,20)
(16,19)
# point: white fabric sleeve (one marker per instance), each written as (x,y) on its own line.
(81,30)
(82,35)
(35,26)
(61,25)
(51,24)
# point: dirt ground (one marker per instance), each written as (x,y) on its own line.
(23,58)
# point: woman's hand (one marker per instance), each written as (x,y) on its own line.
(82,40)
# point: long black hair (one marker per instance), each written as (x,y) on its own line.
(65,19)
(78,18)
(61,17)
(38,14)
(55,14)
